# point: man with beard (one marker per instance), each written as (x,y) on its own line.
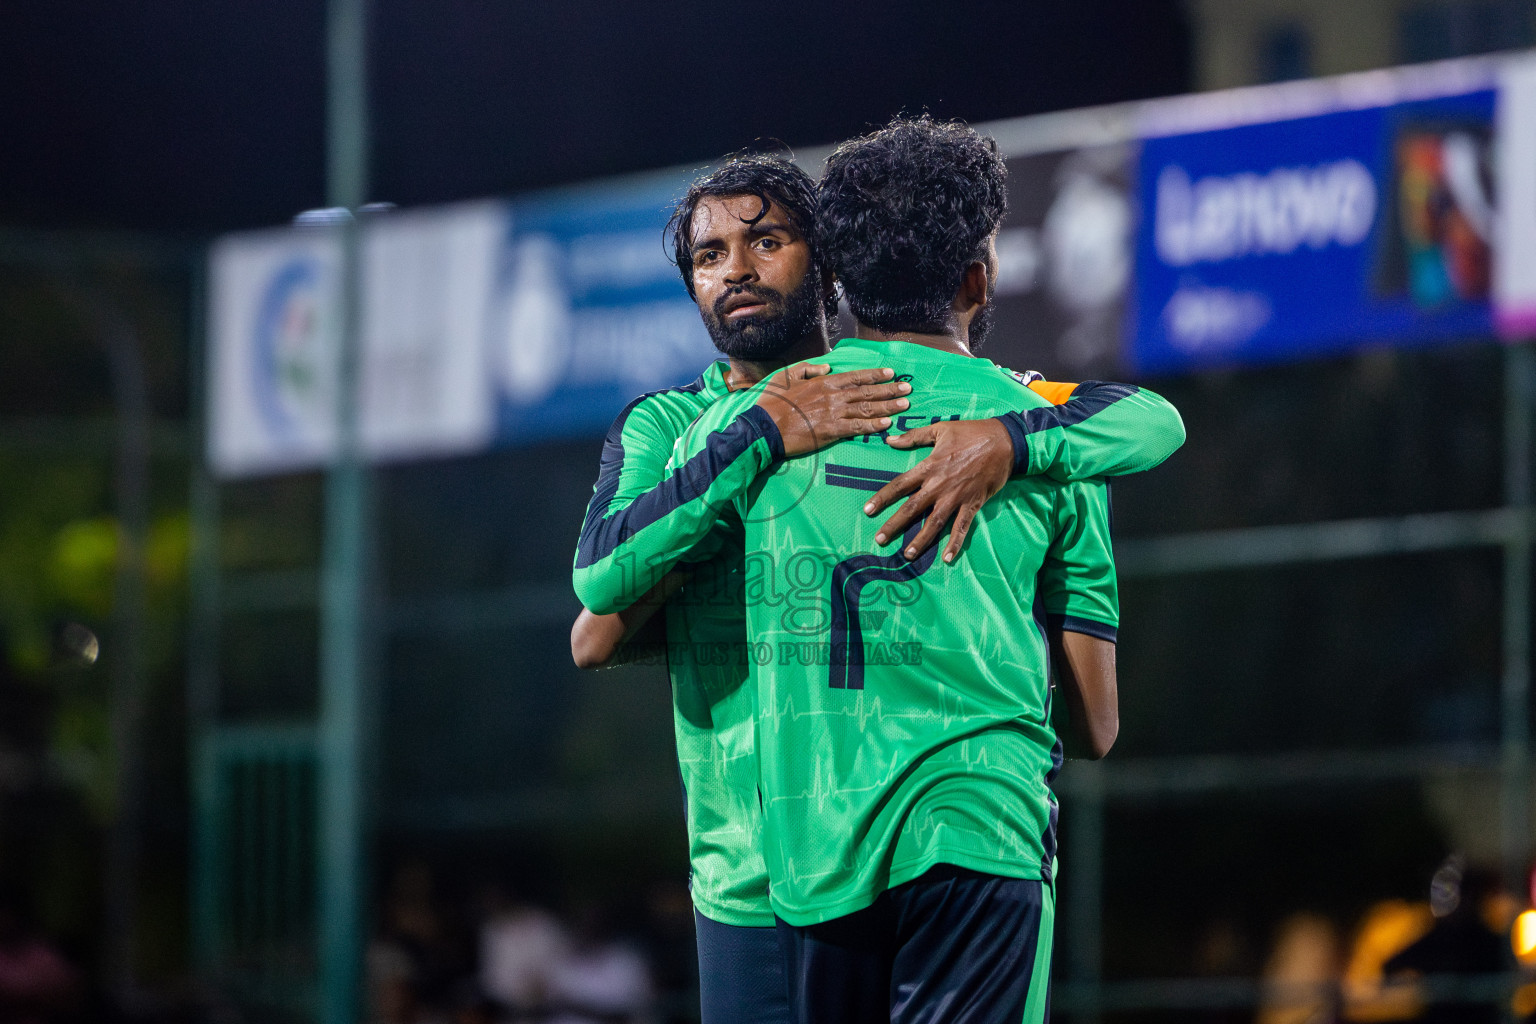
(743,243)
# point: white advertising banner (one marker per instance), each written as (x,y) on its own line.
(428,278)
(427,281)
(1514,283)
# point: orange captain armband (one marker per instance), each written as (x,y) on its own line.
(1052,391)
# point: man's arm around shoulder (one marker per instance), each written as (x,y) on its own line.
(1101,429)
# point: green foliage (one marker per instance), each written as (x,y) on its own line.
(39,499)
(61,550)
(84,563)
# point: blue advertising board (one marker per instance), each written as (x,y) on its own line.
(588,312)
(1293,238)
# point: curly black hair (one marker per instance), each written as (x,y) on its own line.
(902,212)
(768,176)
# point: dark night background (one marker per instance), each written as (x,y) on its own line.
(197,117)
(510,775)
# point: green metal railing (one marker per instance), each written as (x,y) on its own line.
(257,895)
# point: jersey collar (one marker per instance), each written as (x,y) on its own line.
(713,379)
(905,350)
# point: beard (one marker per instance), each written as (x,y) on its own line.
(765,336)
(981,323)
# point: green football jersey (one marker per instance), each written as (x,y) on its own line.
(904,707)
(637,528)
(644,519)
(713,707)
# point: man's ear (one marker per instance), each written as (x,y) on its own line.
(973,288)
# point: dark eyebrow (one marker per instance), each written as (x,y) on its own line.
(757,230)
(712,239)
(767,227)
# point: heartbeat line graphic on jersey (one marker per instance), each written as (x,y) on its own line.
(829,784)
(872,714)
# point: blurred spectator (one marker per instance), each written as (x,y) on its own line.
(530,965)
(1302,974)
(391,984)
(1388,928)
(36,983)
(416,960)
(672,950)
(1223,951)
(1460,942)
(601,980)
(520,948)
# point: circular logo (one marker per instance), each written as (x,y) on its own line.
(1086,234)
(536,321)
(294,353)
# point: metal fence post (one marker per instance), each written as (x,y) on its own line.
(342,817)
(203,643)
(1515,729)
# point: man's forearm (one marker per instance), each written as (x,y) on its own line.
(1104,429)
(603,641)
(624,553)
(1086,680)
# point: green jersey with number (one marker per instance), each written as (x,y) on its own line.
(904,712)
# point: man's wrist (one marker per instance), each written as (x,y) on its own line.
(767,428)
(1019,437)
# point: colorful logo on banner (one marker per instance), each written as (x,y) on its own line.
(588,313)
(293,353)
(1303,237)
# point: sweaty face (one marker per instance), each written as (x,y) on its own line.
(751,277)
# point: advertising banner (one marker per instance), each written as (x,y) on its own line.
(482,324)
(1293,238)
(1515,267)
(272,375)
(425,299)
(1064,262)
(589,312)
(426,304)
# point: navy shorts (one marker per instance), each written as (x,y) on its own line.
(741,974)
(951,947)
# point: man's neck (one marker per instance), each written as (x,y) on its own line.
(956,339)
(746,372)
